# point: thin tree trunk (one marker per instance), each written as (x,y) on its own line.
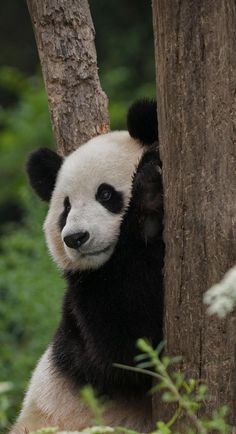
(195,46)
(65,38)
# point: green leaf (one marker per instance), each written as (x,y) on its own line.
(163,428)
(169,397)
(144,346)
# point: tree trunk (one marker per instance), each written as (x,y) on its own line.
(65,38)
(196,86)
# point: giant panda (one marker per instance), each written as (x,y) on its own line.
(104,230)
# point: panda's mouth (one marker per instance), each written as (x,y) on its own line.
(96,252)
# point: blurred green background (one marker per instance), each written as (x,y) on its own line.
(31,288)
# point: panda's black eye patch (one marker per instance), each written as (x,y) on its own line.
(67,205)
(65,212)
(110,198)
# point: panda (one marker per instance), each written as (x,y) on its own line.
(104,230)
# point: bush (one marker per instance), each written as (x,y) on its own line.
(30,294)
(24,125)
(30,285)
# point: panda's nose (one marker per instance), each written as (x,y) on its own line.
(74,241)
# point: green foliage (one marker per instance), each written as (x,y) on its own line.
(124,42)
(30,286)
(30,294)
(17,45)
(24,126)
(5,403)
(93,403)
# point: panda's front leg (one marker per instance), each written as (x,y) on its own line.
(147,197)
(51,402)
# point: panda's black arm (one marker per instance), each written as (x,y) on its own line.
(145,215)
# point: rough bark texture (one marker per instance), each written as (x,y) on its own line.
(196,79)
(65,38)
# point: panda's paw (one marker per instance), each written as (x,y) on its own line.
(147,187)
(148,196)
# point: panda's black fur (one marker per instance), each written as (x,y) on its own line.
(142,121)
(42,168)
(106,310)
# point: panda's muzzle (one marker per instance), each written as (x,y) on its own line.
(75,241)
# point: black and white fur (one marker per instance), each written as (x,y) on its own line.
(111,190)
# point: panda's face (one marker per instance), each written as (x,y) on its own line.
(90,190)
(90,197)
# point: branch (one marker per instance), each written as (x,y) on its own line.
(64,34)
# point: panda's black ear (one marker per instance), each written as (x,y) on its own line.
(142,121)
(42,168)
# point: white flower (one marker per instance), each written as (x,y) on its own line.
(221,298)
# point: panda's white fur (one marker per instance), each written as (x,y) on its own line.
(51,402)
(110,158)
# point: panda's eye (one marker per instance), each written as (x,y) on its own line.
(67,205)
(110,198)
(104,193)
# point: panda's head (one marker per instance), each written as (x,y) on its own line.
(89,191)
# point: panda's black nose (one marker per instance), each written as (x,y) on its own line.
(74,241)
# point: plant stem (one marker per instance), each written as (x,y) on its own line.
(164,377)
(174,417)
(171,386)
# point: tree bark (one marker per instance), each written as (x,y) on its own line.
(65,38)
(196,88)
